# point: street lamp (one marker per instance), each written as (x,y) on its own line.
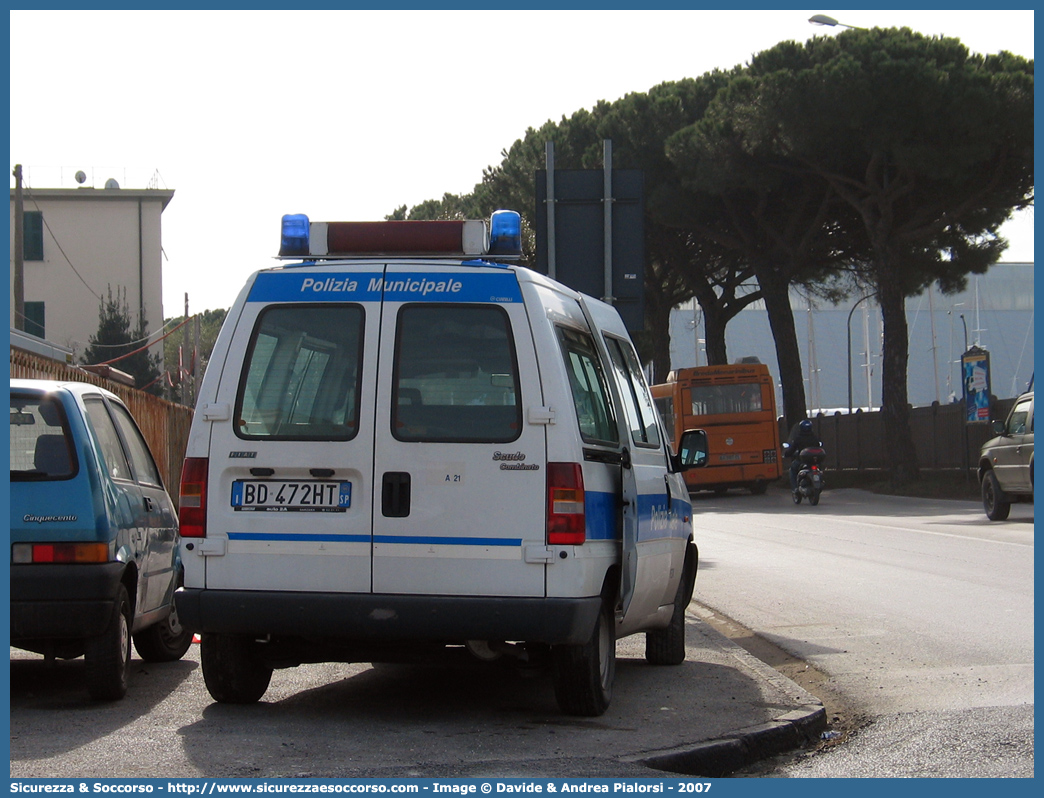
(849,325)
(823,19)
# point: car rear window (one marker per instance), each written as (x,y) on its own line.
(41,447)
(301,376)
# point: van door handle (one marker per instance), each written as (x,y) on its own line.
(395,494)
(150,506)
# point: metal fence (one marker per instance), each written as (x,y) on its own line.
(942,438)
(164,424)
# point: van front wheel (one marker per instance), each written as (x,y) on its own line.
(232,669)
(584,674)
(667,646)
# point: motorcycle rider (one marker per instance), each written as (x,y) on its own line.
(801,437)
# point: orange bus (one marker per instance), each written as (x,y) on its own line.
(736,405)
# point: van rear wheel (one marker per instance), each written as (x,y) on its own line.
(583,674)
(233,669)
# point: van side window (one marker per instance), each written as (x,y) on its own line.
(638,405)
(301,376)
(594,410)
(456,376)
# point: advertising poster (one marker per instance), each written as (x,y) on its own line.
(975,370)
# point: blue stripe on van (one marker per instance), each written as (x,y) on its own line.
(298,286)
(601,512)
(422,539)
(656,521)
(452,287)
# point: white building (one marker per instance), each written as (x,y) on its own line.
(78,244)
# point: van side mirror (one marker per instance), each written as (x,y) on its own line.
(999,428)
(692,450)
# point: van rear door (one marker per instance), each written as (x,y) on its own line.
(291,450)
(459,476)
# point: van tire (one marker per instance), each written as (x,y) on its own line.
(108,655)
(166,641)
(583,674)
(232,669)
(994,502)
(667,646)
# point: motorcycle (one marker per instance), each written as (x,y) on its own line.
(810,475)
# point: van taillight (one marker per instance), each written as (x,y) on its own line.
(566,524)
(192,508)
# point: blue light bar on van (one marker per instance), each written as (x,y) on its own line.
(294,239)
(438,238)
(505,234)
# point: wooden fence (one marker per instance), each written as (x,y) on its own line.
(164,424)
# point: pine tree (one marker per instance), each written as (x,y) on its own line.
(115,339)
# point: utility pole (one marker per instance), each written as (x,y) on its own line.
(183,375)
(19,252)
(195,360)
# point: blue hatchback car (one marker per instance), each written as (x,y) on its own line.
(94,535)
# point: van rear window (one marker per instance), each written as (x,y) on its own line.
(456,376)
(301,376)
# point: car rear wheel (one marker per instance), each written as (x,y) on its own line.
(233,669)
(165,641)
(584,673)
(994,502)
(108,655)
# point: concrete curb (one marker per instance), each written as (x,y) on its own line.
(716,758)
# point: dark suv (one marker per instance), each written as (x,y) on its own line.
(1006,461)
(94,535)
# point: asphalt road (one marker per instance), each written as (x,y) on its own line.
(919,613)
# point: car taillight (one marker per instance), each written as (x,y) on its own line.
(566,523)
(192,507)
(769,455)
(22,553)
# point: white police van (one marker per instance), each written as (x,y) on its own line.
(403,445)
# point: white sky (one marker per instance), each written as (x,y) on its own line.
(346,115)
